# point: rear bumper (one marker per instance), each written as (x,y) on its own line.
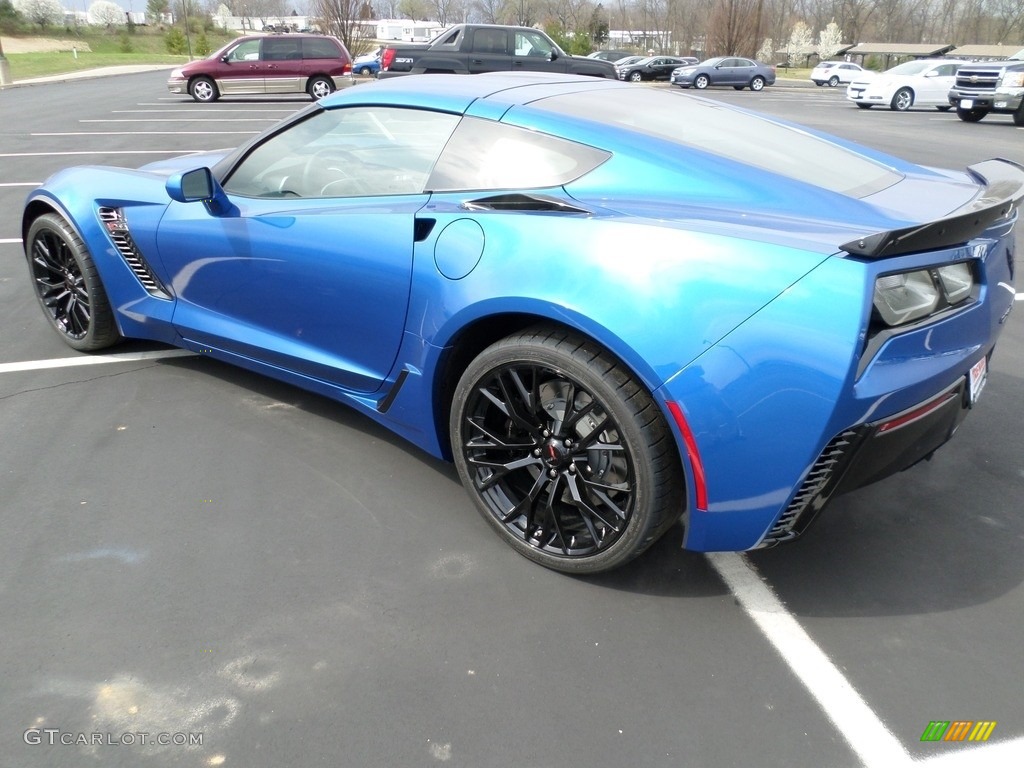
(870,453)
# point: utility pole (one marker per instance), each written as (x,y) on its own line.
(5,67)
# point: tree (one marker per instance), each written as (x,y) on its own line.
(42,12)
(830,40)
(104,13)
(339,18)
(766,52)
(155,10)
(175,41)
(800,45)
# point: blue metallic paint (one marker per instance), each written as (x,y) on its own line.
(698,273)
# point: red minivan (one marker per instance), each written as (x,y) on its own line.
(313,64)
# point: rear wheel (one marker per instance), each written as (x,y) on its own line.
(700,82)
(203,89)
(902,100)
(68,286)
(944,108)
(757,84)
(564,454)
(319,87)
(971,115)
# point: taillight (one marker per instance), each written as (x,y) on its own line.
(387,57)
(347,69)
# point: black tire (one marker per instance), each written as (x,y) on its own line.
(738,87)
(971,115)
(68,286)
(902,100)
(700,82)
(864,106)
(1018,116)
(945,108)
(635,77)
(319,86)
(757,84)
(564,453)
(203,90)
(833,81)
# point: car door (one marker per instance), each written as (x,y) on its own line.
(281,64)
(240,70)
(310,269)
(741,71)
(935,87)
(489,51)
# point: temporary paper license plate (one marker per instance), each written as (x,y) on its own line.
(966,104)
(976,379)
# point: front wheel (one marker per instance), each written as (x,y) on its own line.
(833,81)
(864,106)
(757,84)
(564,454)
(1018,116)
(971,115)
(319,87)
(700,82)
(902,100)
(203,89)
(635,77)
(68,285)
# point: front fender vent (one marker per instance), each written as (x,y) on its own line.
(117,228)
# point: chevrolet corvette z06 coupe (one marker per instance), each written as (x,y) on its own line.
(610,323)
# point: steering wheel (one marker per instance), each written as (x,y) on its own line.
(337,163)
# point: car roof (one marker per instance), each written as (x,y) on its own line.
(455,93)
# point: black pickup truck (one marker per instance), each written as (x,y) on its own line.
(470,49)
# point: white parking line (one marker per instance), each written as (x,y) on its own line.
(19,184)
(147,133)
(854,719)
(199,111)
(874,744)
(104,152)
(182,120)
(1001,754)
(70,362)
(9,240)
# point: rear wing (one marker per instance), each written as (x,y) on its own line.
(1003,182)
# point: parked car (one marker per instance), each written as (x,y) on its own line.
(919,83)
(725,70)
(367,64)
(313,64)
(444,254)
(612,56)
(832,73)
(628,60)
(651,68)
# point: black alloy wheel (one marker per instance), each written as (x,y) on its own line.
(563,453)
(68,286)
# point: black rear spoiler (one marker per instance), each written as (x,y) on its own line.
(1004,187)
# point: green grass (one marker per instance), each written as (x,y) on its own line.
(103,49)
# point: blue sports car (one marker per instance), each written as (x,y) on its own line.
(613,308)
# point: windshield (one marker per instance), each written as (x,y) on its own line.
(911,68)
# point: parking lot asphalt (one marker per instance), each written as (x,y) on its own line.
(191,550)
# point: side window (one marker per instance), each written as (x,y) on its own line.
(451,38)
(285,48)
(531,44)
(484,155)
(319,48)
(490,41)
(359,151)
(247,51)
